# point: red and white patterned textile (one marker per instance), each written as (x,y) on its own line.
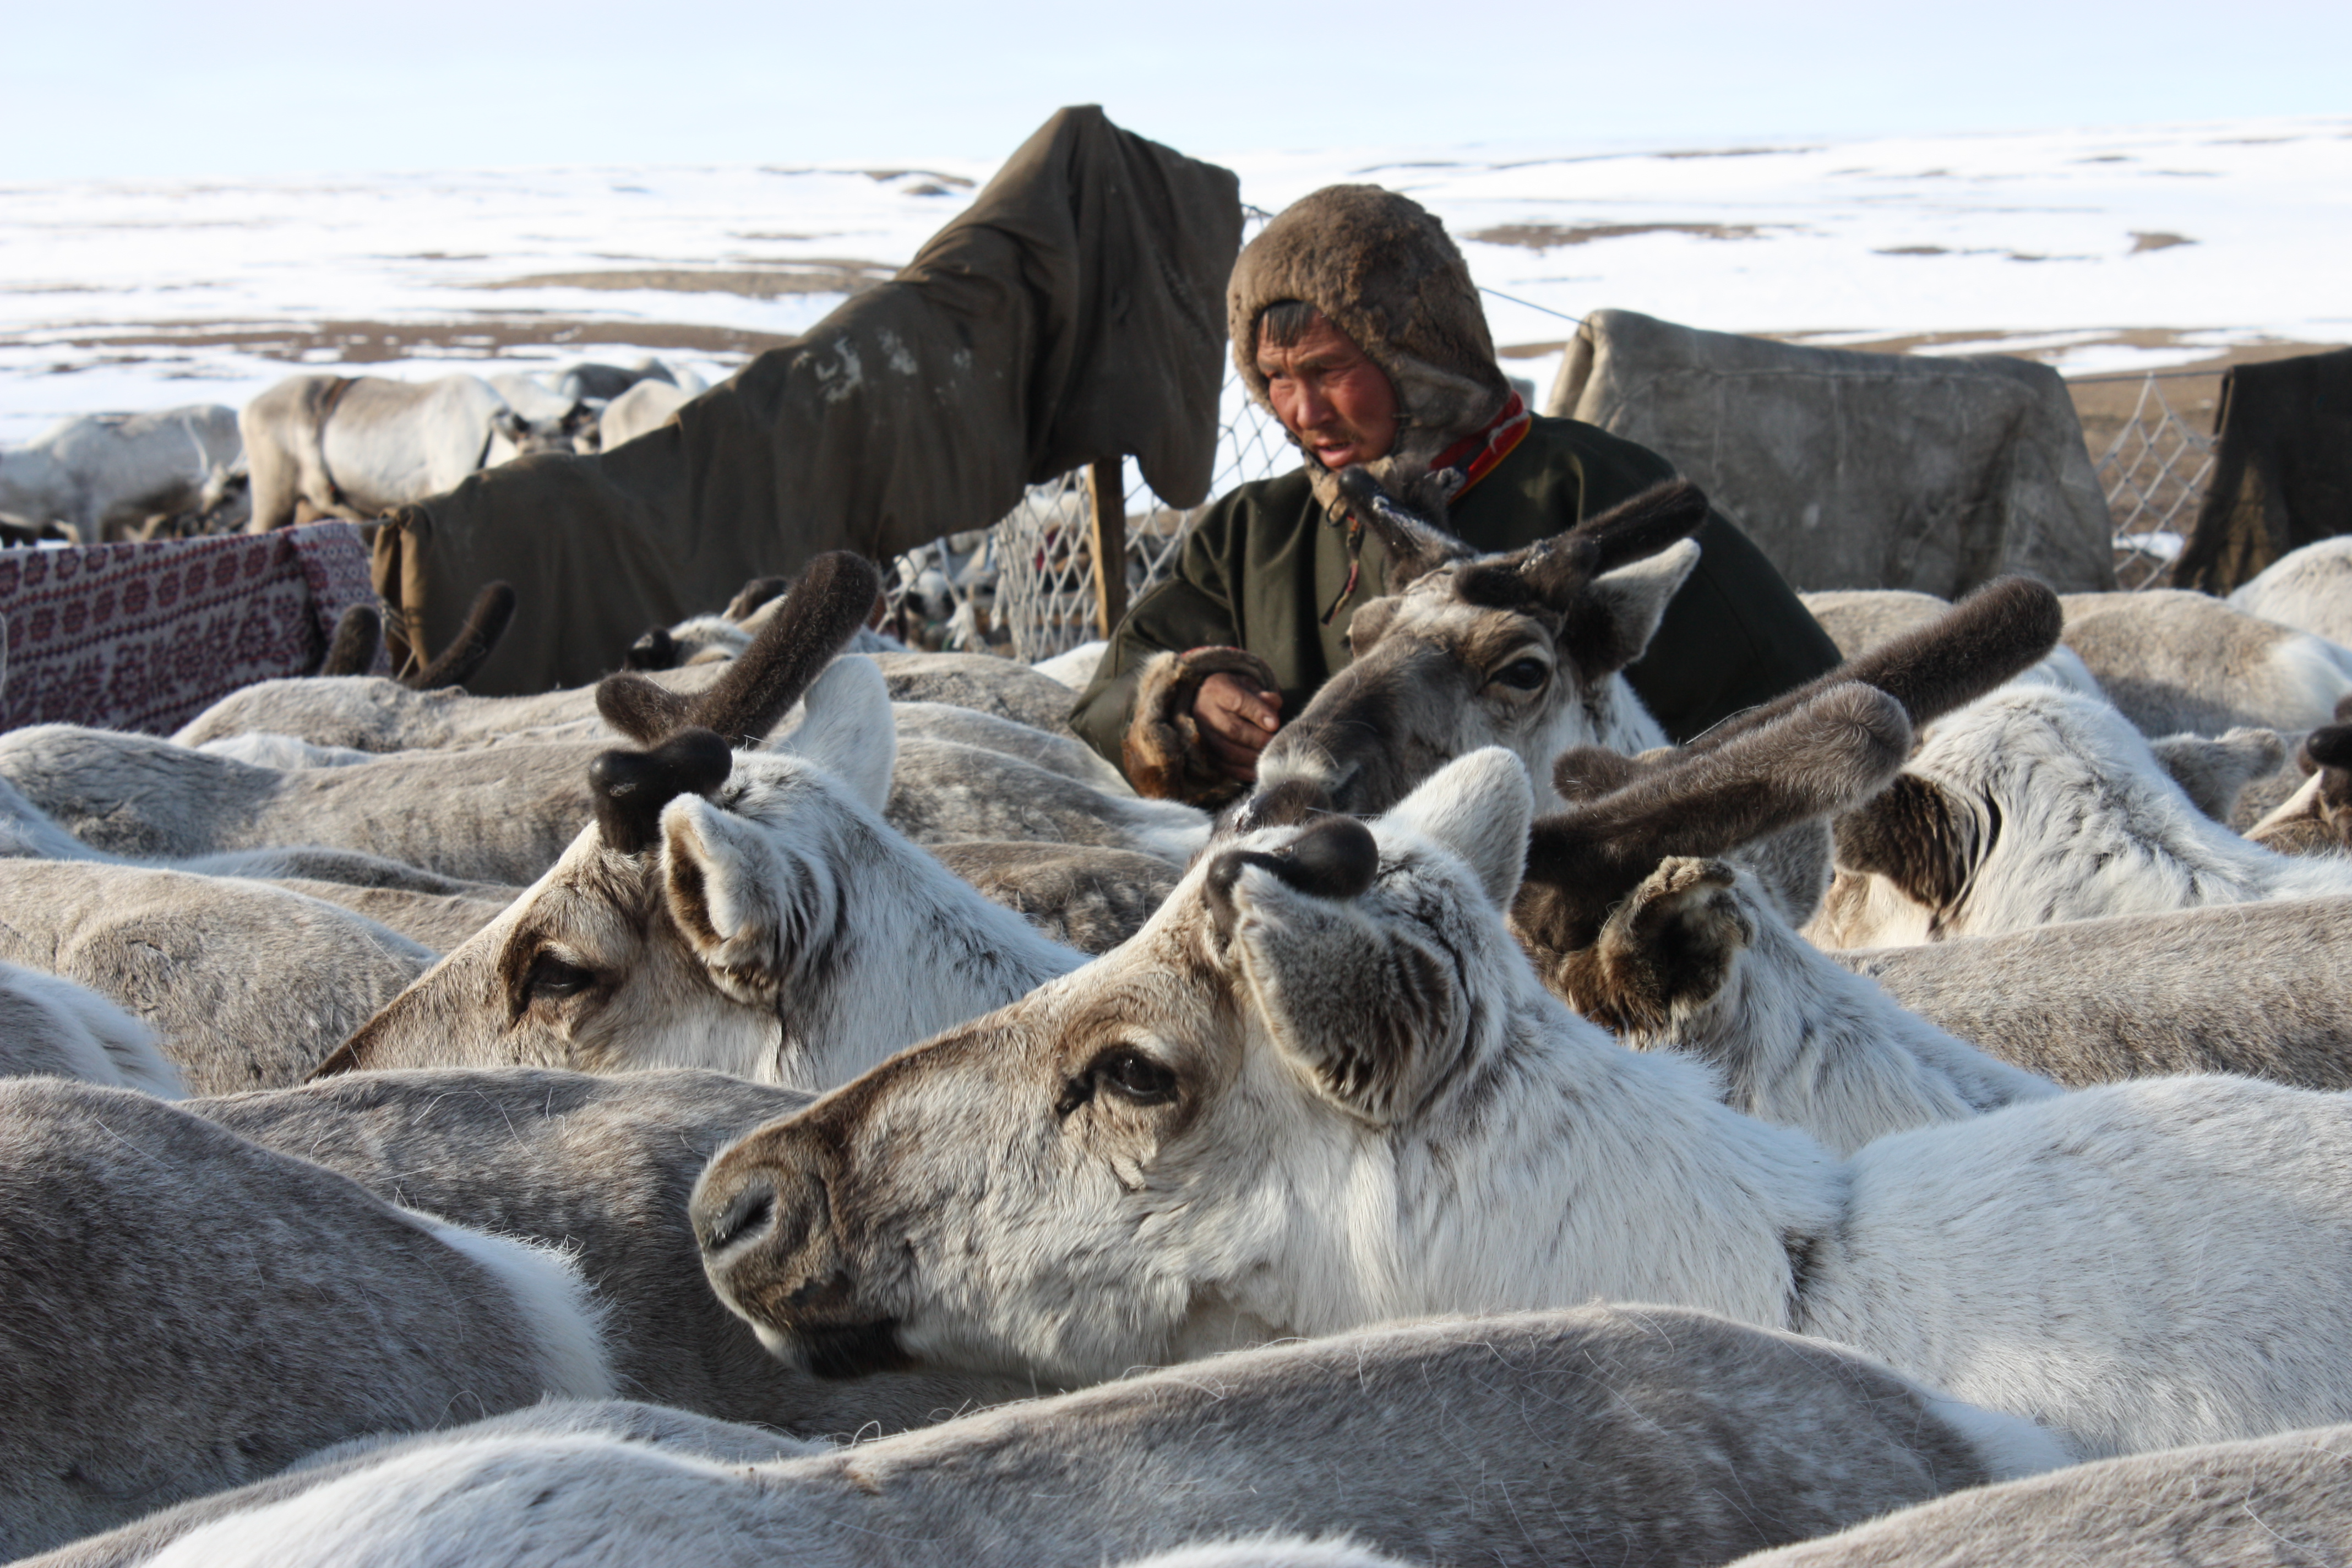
(146,637)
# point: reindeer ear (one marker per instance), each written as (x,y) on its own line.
(2214,773)
(1617,613)
(1479,806)
(850,729)
(1911,835)
(742,903)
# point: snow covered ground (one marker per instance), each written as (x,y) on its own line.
(2096,249)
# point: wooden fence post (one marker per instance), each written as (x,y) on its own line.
(1106,528)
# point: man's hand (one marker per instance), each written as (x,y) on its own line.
(1236,720)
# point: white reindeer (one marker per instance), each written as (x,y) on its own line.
(2034,806)
(1324,1087)
(759,917)
(1665,1436)
(187,1311)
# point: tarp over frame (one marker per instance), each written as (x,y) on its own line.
(2283,478)
(1074,314)
(1857,470)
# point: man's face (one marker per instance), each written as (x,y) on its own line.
(1329,396)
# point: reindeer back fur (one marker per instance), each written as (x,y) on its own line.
(1668,1436)
(2257,989)
(51,1027)
(602,1167)
(185,954)
(2309,589)
(2257,1504)
(2172,660)
(651,1426)
(187,1311)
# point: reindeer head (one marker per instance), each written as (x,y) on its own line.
(1627,911)
(693,925)
(2318,819)
(1110,1170)
(1522,650)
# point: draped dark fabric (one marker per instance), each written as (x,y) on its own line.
(1074,314)
(2283,476)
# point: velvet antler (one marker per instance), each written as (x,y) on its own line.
(2003,629)
(825,608)
(485,622)
(1839,746)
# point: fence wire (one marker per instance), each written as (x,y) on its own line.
(2154,475)
(1045,581)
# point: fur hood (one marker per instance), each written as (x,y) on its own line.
(1383,271)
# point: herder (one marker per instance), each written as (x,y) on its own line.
(1354,320)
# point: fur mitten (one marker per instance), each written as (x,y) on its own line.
(1164,755)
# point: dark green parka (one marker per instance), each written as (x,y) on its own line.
(1261,564)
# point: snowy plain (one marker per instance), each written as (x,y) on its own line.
(2097,249)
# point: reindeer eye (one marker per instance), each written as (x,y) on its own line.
(552,978)
(1522,674)
(1132,1076)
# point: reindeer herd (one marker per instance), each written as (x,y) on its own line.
(796,1104)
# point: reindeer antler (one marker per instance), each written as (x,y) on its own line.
(826,607)
(359,632)
(1631,531)
(1839,746)
(2004,628)
(1416,546)
(485,622)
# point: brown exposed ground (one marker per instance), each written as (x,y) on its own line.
(1552,237)
(818,276)
(373,342)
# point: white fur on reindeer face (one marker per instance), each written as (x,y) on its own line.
(1130,1142)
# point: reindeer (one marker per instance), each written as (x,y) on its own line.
(2033,806)
(1632,921)
(187,1311)
(2172,659)
(1323,1087)
(746,911)
(2281,1500)
(1666,1436)
(1524,650)
(50,1028)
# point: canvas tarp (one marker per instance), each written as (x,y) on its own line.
(1857,470)
(1074,313)
(2283,478)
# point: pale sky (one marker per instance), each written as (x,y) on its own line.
(139,89)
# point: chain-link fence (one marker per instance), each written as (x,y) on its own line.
(2154,475)
(1045,581)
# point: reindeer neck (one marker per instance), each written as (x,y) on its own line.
(1564,1167)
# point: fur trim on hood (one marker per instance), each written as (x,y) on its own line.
(1381,270)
